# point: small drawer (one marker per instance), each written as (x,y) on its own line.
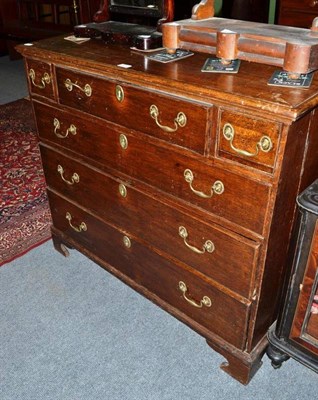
(198,300)
(40,78)
(207,187)
(183,123)
(202,246)
(248,140)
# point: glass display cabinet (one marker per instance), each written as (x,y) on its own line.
(296,332)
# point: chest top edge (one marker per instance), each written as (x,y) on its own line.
(246,89)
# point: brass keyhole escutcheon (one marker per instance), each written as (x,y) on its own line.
(127,242)
(120,95)
(123,141)
(122,190)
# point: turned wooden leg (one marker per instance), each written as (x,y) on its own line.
(276,356)
(240,367)
(60,246)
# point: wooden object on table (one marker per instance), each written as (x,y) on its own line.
(299,13)
(133,23)
(181,183)
(296,332)
(293,49)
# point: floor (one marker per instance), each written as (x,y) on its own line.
(13,80)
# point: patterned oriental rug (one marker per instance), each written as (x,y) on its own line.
(24,213)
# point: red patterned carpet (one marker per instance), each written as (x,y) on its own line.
(24,214)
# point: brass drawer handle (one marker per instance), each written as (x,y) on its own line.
(217,187)
(207,246)
(265,143)
(82,226)
(57,126)
(45,80)
(74,179)
(69,86)
(179,121)
(206,301)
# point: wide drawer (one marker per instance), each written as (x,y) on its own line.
(184,123)
(202,246)
(248,140)
(40,78)
(208,187)
(200,301)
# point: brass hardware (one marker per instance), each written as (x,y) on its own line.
(69,86)
(179,121)
(207,246)
(217,187)
(122,190)
(127,242)
(74,179)
(57,126)
(123,141)
(45,80)
(120,93)
(265,143)
(206,301)
(82,226)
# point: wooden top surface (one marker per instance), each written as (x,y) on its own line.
(248,88)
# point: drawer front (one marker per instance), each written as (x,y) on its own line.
(226,317)
(213,189)
(248,140)
(176,121)
(219,313)
(99,238)
(199,245)
(40,78)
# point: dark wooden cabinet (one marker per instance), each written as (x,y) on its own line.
(29,20)
(144,178)
(247,10)
(300,13)
(296,331)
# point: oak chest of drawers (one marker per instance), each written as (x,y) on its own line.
(182,184)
